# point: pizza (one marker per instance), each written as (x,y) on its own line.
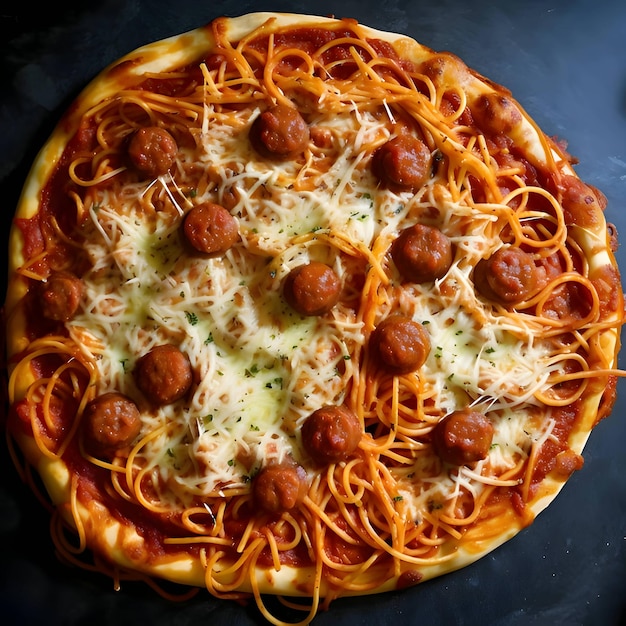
(297,307)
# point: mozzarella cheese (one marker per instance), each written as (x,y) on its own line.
(260,367)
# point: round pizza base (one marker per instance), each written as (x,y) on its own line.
(106,536)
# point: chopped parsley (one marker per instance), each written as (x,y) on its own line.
(192,318)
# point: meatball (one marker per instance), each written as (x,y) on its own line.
(331,434)
(422,253)
(496,113)
(110,422)
(312,289)
(280,131)
(400,344)
(210,228)
(279,487)
(462,437)
(60,296)
(404,162)
(152,150)
(509,276)
(163,374)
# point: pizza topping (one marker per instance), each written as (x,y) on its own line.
(331,434)
(164,374)
(403,162)
(509,275)
(496,113)
(409,579)
(401,344)
(210,228)
(422,253)
(152,150)
(61,295)
(463,437)
(110,422)
(312,289)
(567,462)
(280,487)
(280,131)
(581,204)
(377,216)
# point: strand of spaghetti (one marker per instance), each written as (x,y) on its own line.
(368,70)
(532,459)
(478,502)
(349,496)
(41,440)
(245,536)
(544,326)
(217,541)
(274,60)
(47,398)
(571,277)
(221,512)
(91,182)
(344,243)
(195,527)
(298,531)
(447,528)
(558,238)
(27,271)
(220,587)
(311,610)
(153,103)
(341,573)
(315,597)
(381,543)
(588,373)
(494,481)
(345,42)
(141,498)
(42,346)
(320,513)
(76,516)
(130,462)
(242,564)
(67,552)
(271,542)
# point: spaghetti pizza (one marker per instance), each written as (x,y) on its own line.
(303,308)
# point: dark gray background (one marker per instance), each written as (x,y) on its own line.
(565,61)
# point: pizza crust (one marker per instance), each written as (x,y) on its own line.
(122,545)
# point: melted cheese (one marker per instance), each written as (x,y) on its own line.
(260,367)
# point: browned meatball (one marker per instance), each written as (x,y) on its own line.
(152,150)
(110,422)
(496,113)
(400,343)
(331,434)
(509,276)
(60,296)
(163,374)
(422,253)
(462,437)
(279,487)
(404,162)
(312,289)
(210,228)
(280,131)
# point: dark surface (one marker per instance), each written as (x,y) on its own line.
(566,63)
